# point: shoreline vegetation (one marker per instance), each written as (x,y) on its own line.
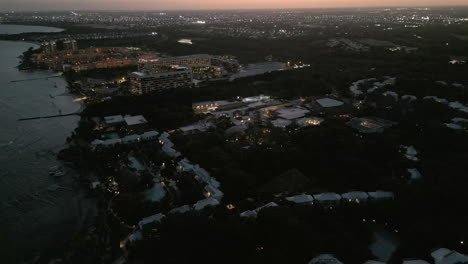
(26,60)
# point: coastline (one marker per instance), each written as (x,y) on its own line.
(69,196)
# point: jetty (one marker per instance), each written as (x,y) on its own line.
(35,79)
(50,116)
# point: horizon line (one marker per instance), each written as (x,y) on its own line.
(237,9)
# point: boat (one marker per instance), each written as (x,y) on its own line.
(57,171)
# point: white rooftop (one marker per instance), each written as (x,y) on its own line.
(301,198)
(135,236)
(381,195)
(270,204)
(415,261)
(459,106)
(440,253)
(214,191)
(204,203)
(414,174)
(135,120)
(249,213)
(135,164)
(454,126)
(150,219)
(437,99)
(95,184)
(199,126)
(185,41)
(292,113)
(149,134)
(409,97)
(374,262)
(156,193)
(459,120)
(328,102)
(411,151)
(281,122)
(325,259)
(114,119)
(256,98)
(355,196)
(131,138)
(453,258)
(180,210)
(327,197)
(224,102)
(392,94)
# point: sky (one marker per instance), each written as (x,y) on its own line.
(33,5)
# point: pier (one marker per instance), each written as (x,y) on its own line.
(46,117)
(35,79)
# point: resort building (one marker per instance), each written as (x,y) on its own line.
(49,47)
(142,83)
(70,45)
(159,64)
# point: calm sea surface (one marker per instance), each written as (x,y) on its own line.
(37,211)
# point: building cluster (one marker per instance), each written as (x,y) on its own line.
(84,59)
(50,47)
(149,135)
(128,121)
(142,82)
(439,256)
(155,74)
(265,110)
(328,200)
(213,194)
(201,175)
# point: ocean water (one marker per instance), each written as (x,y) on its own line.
(16,29)
(37,211)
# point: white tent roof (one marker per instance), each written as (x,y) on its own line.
(151,219)
(453,258)
(181,210)
(381,195)
(135,120)
(149,134)
(292,113)
(328,102)
(325,258)
(301,198)
(204,203)
(327,197)
(249,213)
(270,204)
(130,138)
(135,236)
(355,195)
(440,253)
